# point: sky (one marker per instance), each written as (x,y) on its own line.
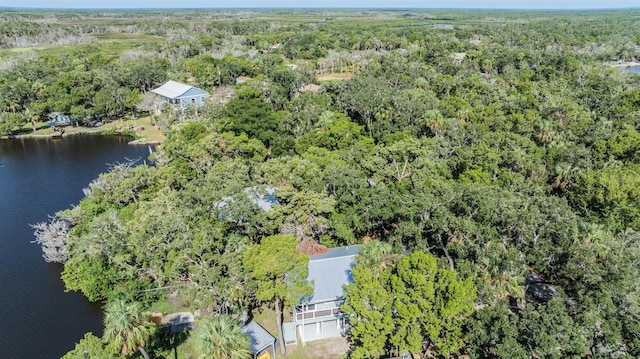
(487,4)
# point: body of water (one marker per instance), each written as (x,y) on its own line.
(39,177)
(635,69)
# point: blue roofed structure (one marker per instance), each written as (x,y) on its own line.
(319,316)
(180,94)
(263,344)
(330,271)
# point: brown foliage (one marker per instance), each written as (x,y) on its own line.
(309,246)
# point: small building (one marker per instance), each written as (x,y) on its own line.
(263,344)
(319,316)
(180,94)
(57,119)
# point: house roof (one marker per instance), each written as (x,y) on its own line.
(263,197)
(173,90)
(260,337)
(330,271)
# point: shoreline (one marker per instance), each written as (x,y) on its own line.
(624,65)
(138,139)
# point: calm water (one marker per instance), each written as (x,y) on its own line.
(38,178)
(634,69)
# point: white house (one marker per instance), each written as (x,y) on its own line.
(319,316)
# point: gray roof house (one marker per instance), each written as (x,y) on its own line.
(180,94)
(262,197)
(319,316)
(263,344)
(56,119)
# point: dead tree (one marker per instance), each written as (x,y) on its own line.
(52,237)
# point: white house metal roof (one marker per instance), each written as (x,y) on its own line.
(263,197)
(173,90)
(330,271)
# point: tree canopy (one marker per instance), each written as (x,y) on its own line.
(481,149)
(407,306)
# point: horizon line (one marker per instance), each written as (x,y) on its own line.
(320,8)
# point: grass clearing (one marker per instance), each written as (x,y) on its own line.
(334,348)
(17,50)
(127,36)
(335,76)
(111,45)
(144,129)
(267,318)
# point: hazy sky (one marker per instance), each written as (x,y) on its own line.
(502,4)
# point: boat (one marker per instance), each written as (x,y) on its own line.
(57,133)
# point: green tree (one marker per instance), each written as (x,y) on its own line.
(609,195)
(144,73)
(369,305)
(8,122)
(493,333)
(430,306)
(90,347)
(412,306)
(221,337)
(31,117)
(92,275)
(333,131)
(126,330)
(250,113)
(364,98)
(375,252)
(280,273)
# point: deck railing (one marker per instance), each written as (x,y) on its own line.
(315,314)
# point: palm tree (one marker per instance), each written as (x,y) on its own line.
(546,133)
(125,328)
(434,121)
(566,174)
(32,117)
(375,251)
(222,337)
(377,255)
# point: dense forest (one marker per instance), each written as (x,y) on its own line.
(490,160)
